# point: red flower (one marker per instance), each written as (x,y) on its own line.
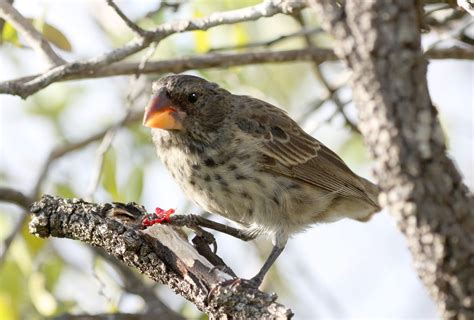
(160,216)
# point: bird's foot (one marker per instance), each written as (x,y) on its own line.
(252,283)
(234,282)
(206,236)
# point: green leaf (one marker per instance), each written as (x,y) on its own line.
(56,37)
(241,35)
(52,34)
(9,34)
(203,42)
(6,308)
(11,286)
(33,244)
(64,190)
(109,175)
(134,186)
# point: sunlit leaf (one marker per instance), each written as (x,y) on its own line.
(52,34)
(56,37)
(6,309)
(12,285)
(33,244)
(9,34)
(241,35)
(64,190)
(203,42)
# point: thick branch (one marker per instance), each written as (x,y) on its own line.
(380,42)
(159,252)
(32,36)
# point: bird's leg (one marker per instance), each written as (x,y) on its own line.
(258,278)
(193,220)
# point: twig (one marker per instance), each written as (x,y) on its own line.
(449,53)
(14,196)
(331,92)
(269,43)
(132,25)
(22,86)
(32,36)
(160,253)
(266,9)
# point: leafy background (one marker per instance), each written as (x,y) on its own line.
(341,270)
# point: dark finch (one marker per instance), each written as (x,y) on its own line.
(246,160)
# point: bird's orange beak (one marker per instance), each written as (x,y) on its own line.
(161,114)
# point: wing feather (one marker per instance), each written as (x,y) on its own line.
(291,152)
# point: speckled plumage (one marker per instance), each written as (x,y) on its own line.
(246,160)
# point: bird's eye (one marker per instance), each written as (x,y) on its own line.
(192,97)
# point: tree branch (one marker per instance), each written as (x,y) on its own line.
(14,196)
(419,182)
(132,25)
(32,36)
(27,86)
(160,252)
(266,9)
(467,5)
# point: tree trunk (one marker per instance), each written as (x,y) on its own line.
(380,42)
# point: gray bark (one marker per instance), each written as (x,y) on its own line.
(380,41)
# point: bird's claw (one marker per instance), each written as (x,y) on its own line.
(206,236)
(232,283)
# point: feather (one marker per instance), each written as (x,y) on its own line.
(291,152)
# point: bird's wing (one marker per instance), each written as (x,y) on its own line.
(289,151)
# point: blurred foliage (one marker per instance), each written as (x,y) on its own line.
(9,34)
(33,274)
(51,33)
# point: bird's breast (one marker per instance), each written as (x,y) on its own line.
(225,181)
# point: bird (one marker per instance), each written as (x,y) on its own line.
(246,160)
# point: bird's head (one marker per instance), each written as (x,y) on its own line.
(186,104)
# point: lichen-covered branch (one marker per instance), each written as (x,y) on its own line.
(160,252)
(380,41)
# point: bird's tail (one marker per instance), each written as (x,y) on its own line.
(372,191)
